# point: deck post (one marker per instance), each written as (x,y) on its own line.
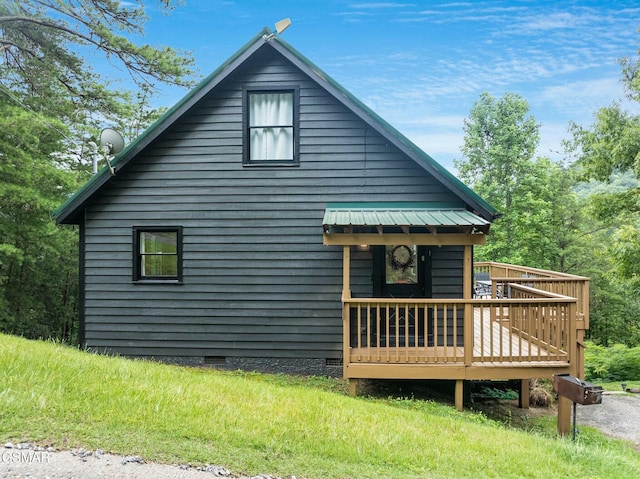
(459,394)
(580,347)
(353,387)
(468,329)
(468,333)
(565,404)
(346,294)
(564,415)
(523,397)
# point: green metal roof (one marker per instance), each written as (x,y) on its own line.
(70,211)
(400,215)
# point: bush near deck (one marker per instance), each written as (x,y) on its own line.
(615,363)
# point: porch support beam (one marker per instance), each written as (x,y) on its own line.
(448,239)
(346,272)
(565,404)
(467,272)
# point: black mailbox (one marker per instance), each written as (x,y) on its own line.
(576,390)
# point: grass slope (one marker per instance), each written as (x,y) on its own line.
(253,423)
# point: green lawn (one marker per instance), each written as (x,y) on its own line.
(252,423)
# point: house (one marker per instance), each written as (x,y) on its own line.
(271,221)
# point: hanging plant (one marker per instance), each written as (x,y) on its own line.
(401,258)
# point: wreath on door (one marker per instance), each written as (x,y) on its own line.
(401,258)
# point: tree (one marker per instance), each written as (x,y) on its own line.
(541,220)
(606,151)
(500,141)
(50,98)
(37,260)
(39,40)
(612,145)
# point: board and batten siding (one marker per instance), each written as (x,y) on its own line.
(257,280)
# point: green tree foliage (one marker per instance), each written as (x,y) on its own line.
(539,211)
(37,260)
(609,146)
(607,159)
(50,101)
(39,41)
(500,140)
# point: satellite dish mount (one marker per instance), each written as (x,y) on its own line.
(281,26)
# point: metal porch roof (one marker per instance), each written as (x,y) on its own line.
(401,216)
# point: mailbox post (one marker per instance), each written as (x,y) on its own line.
(577,391)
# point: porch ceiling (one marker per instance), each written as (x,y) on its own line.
(398,218)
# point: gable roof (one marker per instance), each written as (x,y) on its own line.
(70,210)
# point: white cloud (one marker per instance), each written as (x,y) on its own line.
(552,21)
(581,97)
(376,5)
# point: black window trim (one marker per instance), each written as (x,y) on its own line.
(279,88)
(137,277)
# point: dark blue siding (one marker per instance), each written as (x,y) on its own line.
(257,280)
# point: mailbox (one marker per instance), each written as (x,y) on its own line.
(576,390)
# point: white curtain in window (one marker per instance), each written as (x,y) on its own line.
(271,126)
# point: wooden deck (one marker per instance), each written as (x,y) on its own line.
(527,323)
(530,334)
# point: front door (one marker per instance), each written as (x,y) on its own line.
(403,271)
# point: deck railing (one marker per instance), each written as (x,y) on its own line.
(429,331)
(532,317)
(543,280)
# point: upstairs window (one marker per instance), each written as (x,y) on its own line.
(157,254)
(271,131)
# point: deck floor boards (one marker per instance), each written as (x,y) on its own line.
(494,340)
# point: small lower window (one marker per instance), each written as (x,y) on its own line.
(157,254)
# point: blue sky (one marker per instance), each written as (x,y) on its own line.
(422,64)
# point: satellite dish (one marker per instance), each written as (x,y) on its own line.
(111,141)
(282,25)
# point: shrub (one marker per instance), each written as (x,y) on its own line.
(616,363)
(540,394)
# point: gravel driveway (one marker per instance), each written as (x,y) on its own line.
(617,416)
(21,461)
